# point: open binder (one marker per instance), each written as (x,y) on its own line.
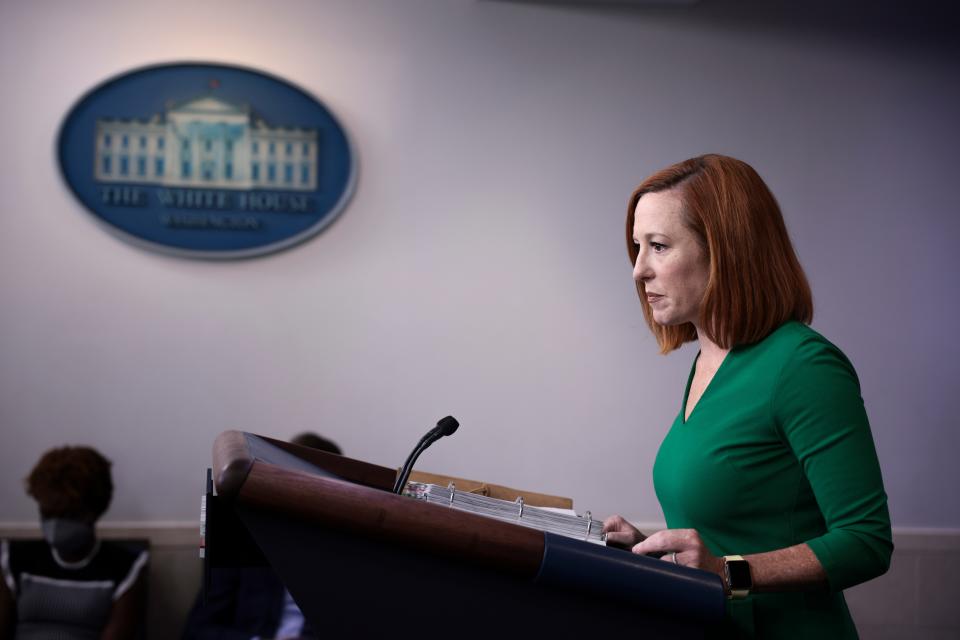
(360,560)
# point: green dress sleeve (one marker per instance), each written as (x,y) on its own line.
(819,412)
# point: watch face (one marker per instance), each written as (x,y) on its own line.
(739,572)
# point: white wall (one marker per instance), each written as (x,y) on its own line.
(480,269)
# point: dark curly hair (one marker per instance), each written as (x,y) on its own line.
(316,441)
(71,482)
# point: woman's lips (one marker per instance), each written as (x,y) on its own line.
(654,297)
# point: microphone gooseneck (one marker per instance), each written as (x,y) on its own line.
(445,427)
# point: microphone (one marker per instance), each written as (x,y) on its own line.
(447,426)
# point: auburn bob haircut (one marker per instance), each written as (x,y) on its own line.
(756,282)
(71,482)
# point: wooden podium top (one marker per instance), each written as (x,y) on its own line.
(355,496)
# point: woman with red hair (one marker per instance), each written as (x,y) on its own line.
(768,476)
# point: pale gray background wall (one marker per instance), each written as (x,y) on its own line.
(480,268)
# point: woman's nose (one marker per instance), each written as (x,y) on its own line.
(641,272)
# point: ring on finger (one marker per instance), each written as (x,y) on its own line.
(673,557)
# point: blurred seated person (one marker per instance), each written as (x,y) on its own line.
(251,603)
(70,585)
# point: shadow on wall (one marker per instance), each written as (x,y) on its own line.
(924,23)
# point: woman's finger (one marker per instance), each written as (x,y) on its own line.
(666,541)
(619,537)
(616,523)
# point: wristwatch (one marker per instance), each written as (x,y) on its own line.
(737,574)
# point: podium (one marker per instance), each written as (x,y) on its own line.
(361,561)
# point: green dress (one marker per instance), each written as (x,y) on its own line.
(777,452)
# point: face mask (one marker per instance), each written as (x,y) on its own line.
(68,537)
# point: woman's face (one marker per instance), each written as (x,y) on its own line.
(672,265)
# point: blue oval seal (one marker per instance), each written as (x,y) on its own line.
(206,160)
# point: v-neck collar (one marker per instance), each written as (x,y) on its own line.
(684,419)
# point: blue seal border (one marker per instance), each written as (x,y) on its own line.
(325,220)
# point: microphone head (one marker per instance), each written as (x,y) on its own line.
(447,426)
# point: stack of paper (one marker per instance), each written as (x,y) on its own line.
(559,521)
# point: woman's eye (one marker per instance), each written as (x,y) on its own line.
(657,247)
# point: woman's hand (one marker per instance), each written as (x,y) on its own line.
(621,533)
(682,546)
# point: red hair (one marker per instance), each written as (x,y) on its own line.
(756,282)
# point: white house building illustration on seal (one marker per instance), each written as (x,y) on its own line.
(206,142)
